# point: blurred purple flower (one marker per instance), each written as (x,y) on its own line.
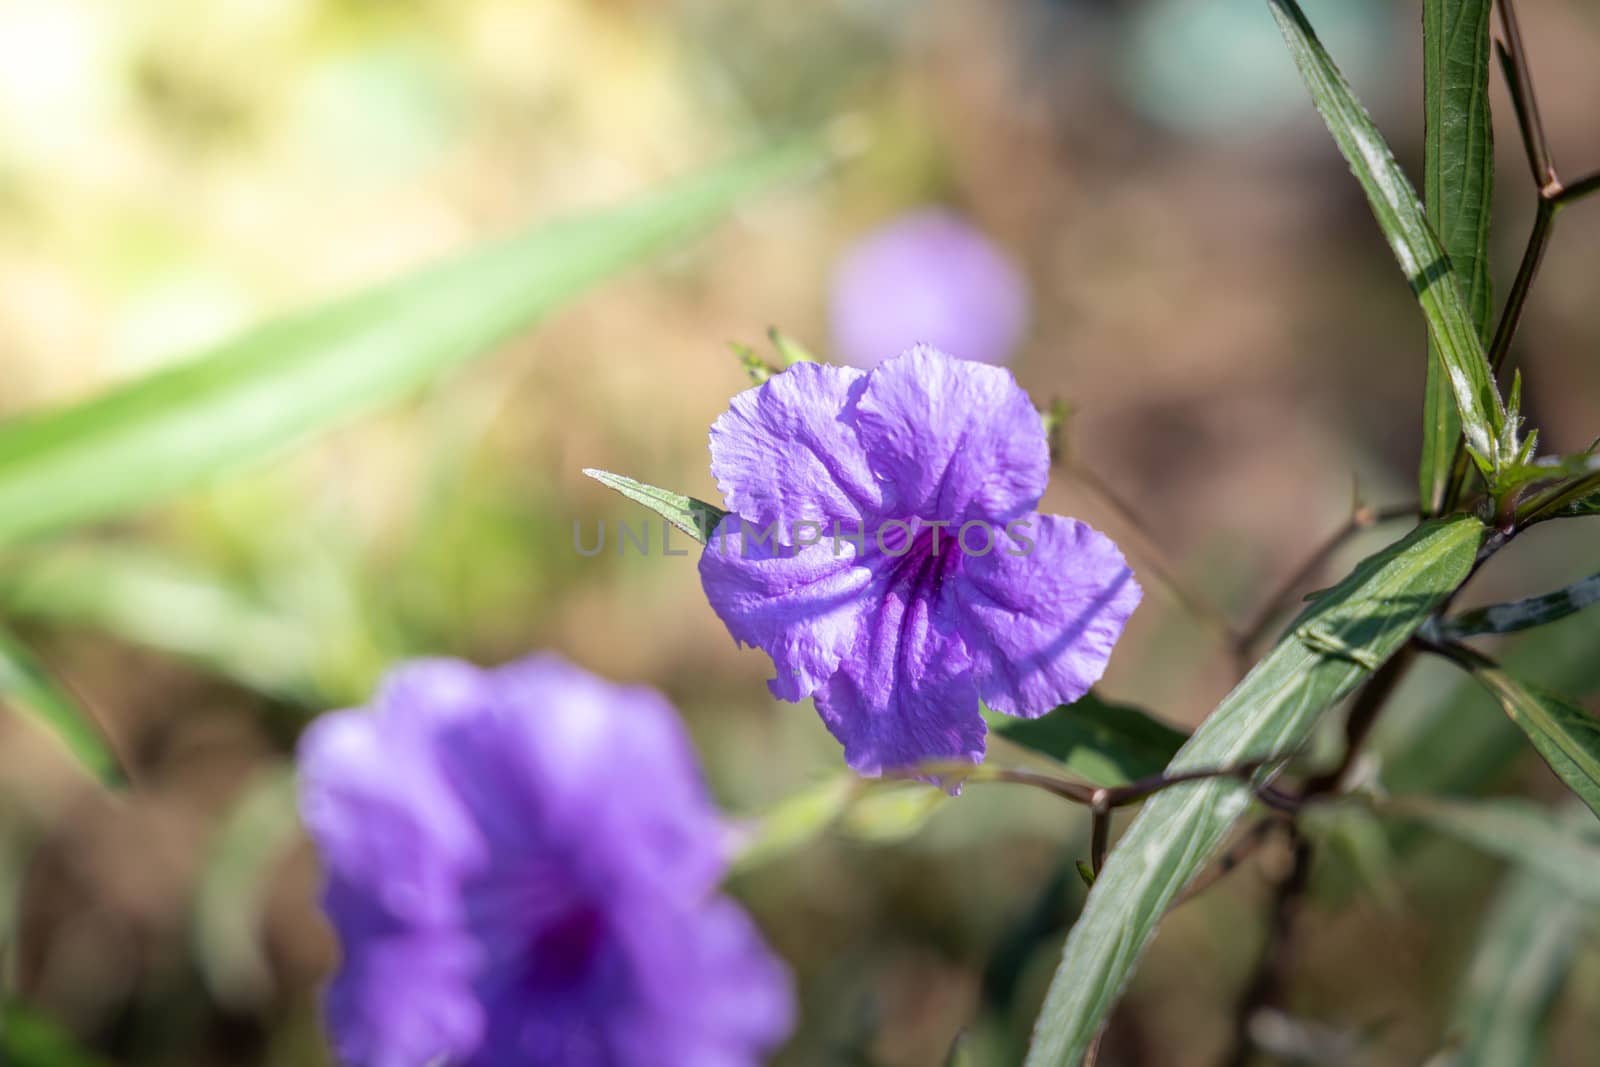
(884,550)
(926,278)
(522,867)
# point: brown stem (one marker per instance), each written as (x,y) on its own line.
(1514,60)
(1267,987)
(1099,839)
(1579,189)
(1358,725)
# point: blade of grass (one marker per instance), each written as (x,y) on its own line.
(27,689)
(285,381)
(1335,644)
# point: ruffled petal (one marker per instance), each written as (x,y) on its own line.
(373,797)
(955,440)
(787,452)
(711,992)
(1041,612)
(904,694)
(403,996)
(802,607)
(563,758)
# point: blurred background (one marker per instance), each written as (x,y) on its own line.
(1209,294)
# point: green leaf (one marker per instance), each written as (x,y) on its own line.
(877,810)
(694,517)
(28,1039)
(1442,738)
(1520,614)
(149,599)
(1524,953)
(1427,266)
(1583,507)
(789,350)
(292,378)
(1567,736)
(1459,160)
(27,689)
(1519,832)
(1360,622)
(1103,743)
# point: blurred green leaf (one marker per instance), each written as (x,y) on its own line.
(1581,508)
(1566,735)
(789,350)
(1524,953)
(1427,266)
(149,599)
(291,378)
(30,1040)
(1520,614)
(27,689)
(230,902)
(1106,744)
(694,517)
(1521,833)
(1459,159)
(1329,650)
(876,810)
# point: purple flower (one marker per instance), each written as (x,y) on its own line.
(926,278)
(522,868)
(884,550)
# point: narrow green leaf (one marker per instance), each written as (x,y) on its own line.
(694,517)
(1524,953)
(1520,614)
(1519,832)
(789,350)
(1427,267)
(149,599)
(1457,186)
(1454,739)
(1567,736)
(285,381)
(27,689)
(1103,743)
(1327,652)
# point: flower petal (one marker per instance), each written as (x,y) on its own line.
(787,452)
(402,996)
(563,757)
(905,693)
(1041,612)
(955,440)
(803,607)
(374,800)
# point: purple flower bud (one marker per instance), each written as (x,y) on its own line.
(926,278)
(522,868)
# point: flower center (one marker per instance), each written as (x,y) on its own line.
(563,950)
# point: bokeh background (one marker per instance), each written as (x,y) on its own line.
(1210,296)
